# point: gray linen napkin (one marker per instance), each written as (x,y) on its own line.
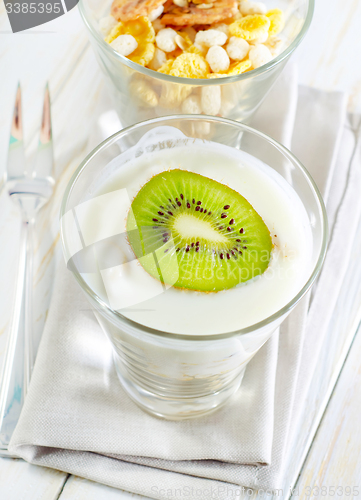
(78,419)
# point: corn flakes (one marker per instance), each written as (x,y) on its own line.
(114,33)
(173,95)
(189,65)
(277,20)
(250,27)
(144,92)
(143,54)
(140,28)
(240,67)
(216,75)
(193,49)
(166,67)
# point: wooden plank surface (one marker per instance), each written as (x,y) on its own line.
(334,459)
(22,481)
(327,59)
(82,489)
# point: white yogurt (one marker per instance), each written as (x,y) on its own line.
(185,311)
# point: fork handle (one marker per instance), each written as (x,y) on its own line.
(19,353)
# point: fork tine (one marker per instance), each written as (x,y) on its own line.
(44,157)
(45,131)
(17,123)
(16,155)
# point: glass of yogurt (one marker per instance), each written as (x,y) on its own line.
(192,252)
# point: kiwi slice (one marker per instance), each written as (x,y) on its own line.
(192,232)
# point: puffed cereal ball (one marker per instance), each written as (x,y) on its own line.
(248,8)
(259,55)
(218,59)
(222,27)
(210,38)
(165,40)
(106,24)
(211,99)
(192,105)
(124,44)
(275,45)
(261,39)
(158,60)
(201,129)
(237,48)
(155,13)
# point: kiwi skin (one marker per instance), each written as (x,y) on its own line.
(192,232)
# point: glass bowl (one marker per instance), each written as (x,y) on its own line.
(171,375)
(140,93)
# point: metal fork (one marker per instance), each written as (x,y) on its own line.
(30,190)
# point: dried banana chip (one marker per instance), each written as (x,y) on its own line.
(183,42)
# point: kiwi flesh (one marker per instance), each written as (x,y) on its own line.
(204,235)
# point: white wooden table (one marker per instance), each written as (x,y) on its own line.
(329,58)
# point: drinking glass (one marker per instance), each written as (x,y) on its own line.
(139,93)
(177,376)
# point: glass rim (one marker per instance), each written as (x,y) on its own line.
(201,81)
(117,316)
